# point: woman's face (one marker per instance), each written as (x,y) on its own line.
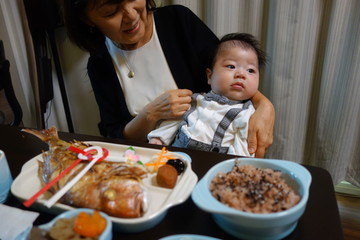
(126,23)
(235,74)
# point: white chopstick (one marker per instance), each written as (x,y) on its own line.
(49,203)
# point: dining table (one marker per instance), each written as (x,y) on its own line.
(321,219)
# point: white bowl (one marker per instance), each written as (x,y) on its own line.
(106,235)
(247,225)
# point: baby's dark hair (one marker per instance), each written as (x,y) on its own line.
(243,40)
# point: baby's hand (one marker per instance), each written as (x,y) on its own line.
(156,141)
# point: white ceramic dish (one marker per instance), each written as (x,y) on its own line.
(246,225)
(28,183)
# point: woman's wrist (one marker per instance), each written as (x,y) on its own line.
(139,127)
(260,101)
(149,114)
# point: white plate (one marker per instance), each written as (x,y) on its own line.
(27,183)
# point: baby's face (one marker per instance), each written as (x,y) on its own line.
(235,74)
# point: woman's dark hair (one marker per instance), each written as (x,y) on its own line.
(244,40)
(84,36)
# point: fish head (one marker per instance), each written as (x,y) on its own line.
(124,197)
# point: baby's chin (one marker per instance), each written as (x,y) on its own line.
(237,97)
(234,95)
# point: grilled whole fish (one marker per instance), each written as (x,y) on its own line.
(112,187)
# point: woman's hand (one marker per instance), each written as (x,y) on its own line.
(261,126)
(169,105)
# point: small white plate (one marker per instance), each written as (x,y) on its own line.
(27,183)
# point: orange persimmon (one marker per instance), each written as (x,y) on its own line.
(89,225)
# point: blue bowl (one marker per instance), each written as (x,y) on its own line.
(247,225)
(106,235)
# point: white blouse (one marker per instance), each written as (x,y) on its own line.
(152,73)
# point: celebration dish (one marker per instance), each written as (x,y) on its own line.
(151,200)
(249,225)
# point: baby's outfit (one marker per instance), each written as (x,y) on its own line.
(213,123)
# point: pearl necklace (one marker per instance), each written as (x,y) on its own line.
(131,73)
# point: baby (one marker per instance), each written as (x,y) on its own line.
(218,120)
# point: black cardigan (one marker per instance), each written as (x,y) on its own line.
(186,42)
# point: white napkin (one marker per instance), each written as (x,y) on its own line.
(15,222)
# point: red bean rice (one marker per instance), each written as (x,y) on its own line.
(252,189)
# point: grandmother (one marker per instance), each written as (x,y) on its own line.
(145,63)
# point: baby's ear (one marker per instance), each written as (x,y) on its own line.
(208,74)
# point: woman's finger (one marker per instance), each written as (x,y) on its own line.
(184,92)
(252,142)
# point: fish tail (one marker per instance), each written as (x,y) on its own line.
(45,135)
